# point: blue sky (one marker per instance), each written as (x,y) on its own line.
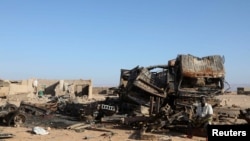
(94,39)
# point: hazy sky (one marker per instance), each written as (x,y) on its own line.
(94,39)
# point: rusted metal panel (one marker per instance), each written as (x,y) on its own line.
(124,77)
(149,88)
(171,63)
(209,66)
(136,119)
(146,81)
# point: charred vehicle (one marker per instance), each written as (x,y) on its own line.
(11,116)
(179,83)
(192,77)
(170,92)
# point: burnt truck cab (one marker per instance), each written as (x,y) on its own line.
(179,83)
(191,77)
(170,92)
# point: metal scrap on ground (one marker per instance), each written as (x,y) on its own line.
(153,98)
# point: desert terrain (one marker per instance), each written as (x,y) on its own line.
(111,132)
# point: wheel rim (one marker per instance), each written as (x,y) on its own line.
(19,119)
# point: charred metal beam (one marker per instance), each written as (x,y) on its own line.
(157,66)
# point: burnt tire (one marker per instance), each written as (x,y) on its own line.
(10,107)
(15,119)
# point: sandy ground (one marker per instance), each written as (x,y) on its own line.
(26,134)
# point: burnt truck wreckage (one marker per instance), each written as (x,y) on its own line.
(149,98)
(168,95)
(162,95)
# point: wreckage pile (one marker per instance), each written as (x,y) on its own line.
(149,98)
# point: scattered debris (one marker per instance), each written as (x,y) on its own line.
(245,114)
(39,131)
(150,99)
(75,125)
(79,127)
(6,135)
